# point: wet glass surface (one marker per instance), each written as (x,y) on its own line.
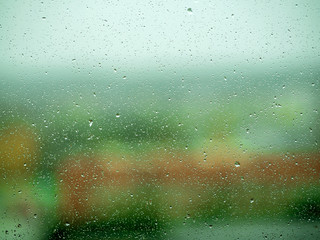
(159,120)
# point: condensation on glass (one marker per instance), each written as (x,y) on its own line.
(159,120)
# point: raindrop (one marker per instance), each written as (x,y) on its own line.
(251,200)
(67,224)
(90,123)
(124,77)
(237,164)
(117,115)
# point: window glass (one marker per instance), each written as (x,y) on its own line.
(159,119)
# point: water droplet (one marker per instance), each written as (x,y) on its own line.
(67,224)
(210,226)
(25,164)
(44,18)
(237,164)
(90,123)
(35,216)
(124,77)
(251,200)
(117,115)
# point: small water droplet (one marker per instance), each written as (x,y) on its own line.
(35,216)
(117,115)
(251,200)
(90,123)
(124,77)
(210,226)
(44,18)
(237,164)
(67,224)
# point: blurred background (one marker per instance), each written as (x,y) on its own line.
(159,120)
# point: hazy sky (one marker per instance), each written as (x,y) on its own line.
(173,34)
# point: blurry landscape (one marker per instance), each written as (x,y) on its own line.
(159,119)
(108,157)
